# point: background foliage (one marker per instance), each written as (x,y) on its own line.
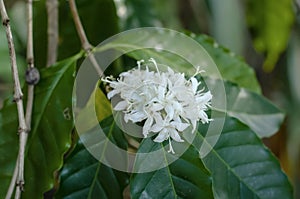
(263,32)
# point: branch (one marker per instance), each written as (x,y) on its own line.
(83,39)
(52,11)
(17,98)
(32,74)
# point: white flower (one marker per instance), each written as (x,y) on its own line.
(166,102)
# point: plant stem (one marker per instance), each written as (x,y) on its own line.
(52,12)
(12,182)
(83,39)
(30,62)
(17,98)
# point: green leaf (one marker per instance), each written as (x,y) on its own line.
(232,67)
(176,53)
(254,110)
(83,176)
(241,166)
(149,13)
(271,25)
(5,69)
(97,102)
(184,178)
(50,135)
(8,144)
(140,14)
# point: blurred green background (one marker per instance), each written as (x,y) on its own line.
(265,32)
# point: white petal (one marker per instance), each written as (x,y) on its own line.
(157,107)
(180,126)
(194,124)
(147,126)
(162,136)
(158,119)
(156,128)
(121,106)
(175,136)
(170,111)
(137,116)
(195,84)
(205,98)
(112,93)
(126,118)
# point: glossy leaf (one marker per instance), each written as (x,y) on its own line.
(184,178)
(8,144)
(254,110)
(231,67)
(97,102)
(83,176)
(271,25)
(50,133)
(241,166)
(149,13)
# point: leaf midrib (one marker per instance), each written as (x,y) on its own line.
(99,163)
(224,162)
(169,172)
(48,97)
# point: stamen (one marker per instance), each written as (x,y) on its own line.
(198,71)
(139,63)
(171,148)
(155,64)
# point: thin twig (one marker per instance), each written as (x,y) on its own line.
(18,176)
(17,98)
(30,59)
(83,39)
(30,97)
(30,62)
(52,13)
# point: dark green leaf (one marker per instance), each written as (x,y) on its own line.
(250,108)
(177,51)
(232,67)
(184,178)
(83,176)
(50,134)
(271,25)
(8,144)
(5,69)
(241,166)
(140,14)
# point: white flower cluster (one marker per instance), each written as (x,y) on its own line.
(166,102)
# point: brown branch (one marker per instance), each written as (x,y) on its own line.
(83,39)
(52,12)
(17,98)
(18,176)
